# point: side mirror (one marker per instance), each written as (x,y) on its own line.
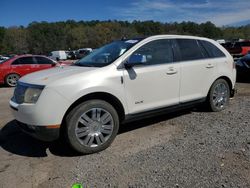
(135,59)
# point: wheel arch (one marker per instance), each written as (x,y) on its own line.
(107,97)
(227,79)
(5,76)
(9,73)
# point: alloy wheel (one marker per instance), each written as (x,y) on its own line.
(94,127)
(220,95)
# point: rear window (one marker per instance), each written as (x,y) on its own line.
(43,60)
(189,49)
(212,50)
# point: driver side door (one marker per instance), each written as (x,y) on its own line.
(155,83)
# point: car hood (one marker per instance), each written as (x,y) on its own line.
(45,77)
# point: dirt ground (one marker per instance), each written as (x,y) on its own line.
(191,148)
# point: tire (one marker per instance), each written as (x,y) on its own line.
(11,79)
(92,126)
(219,95)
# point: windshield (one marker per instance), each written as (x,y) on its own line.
(106,54)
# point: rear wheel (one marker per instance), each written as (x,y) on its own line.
(11,79)
(92,126)
(219,94)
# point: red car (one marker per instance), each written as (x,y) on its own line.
(12,69)
(238,49)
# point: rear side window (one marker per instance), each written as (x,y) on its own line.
(43,61)
(24,61)
(212,50)
(189,49)
(157,52)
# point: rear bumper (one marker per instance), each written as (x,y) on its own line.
(40,132)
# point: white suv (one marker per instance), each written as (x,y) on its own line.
(122,81)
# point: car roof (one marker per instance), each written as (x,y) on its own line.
(178,37)
(167,37)
(29,55)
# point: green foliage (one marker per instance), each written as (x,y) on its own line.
(14,41)
(43,37)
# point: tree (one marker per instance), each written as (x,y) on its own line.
(15,41)
(43,37)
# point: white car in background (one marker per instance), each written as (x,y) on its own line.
(58,55)
(123,81)
(3,58)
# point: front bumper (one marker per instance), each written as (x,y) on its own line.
(48,110)
(43,133)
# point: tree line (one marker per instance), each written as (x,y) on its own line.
(43,37)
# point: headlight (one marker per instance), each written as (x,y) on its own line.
(32,95)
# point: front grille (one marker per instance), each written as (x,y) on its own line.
(19,93)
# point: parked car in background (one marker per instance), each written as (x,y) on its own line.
(3,58)
(12,69)
(243,68)
(83,52)
(221,41)
(58,55)
(123,81)
(71,55)
(237,49)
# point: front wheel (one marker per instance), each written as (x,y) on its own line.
(92,126)
(219,94)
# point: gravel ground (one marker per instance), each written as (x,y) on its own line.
(191,148)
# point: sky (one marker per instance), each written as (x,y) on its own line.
(220,12)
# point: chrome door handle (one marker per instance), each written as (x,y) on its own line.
(209,66)
(171,71)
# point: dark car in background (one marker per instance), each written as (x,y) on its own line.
(71,55)
(243,68)
(14,68)
(83,52)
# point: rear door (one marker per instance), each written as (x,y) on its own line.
(197,70)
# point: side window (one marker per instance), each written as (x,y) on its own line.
(190,49)
(43,61)
(156,52)
(212,50)
(24,61)
(16,62)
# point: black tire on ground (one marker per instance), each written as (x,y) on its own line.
(72,121)
(213,104)
(11,79)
